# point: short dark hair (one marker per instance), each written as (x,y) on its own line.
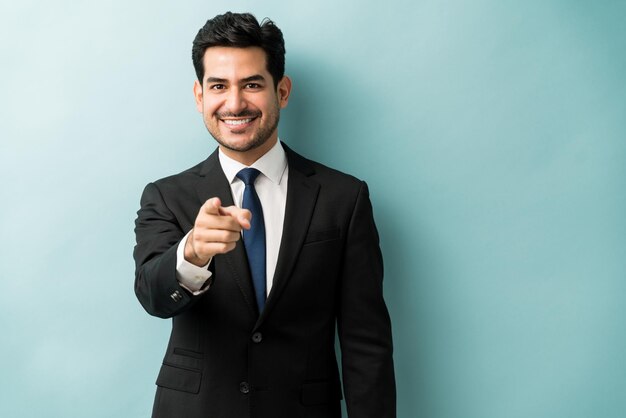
(241,30)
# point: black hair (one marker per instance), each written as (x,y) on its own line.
(241,30)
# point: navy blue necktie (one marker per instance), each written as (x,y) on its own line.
(254,238)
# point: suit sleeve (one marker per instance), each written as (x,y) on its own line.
(158,234)
(364,325)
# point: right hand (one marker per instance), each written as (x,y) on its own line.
(216,231)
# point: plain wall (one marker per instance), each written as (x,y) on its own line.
(492,135)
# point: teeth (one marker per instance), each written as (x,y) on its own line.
(236,122)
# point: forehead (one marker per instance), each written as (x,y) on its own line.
(234,63)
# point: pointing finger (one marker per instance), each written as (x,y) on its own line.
(212,206)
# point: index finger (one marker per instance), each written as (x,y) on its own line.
(212,206)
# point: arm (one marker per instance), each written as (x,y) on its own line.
(163,252)
(364,325)
(158,235)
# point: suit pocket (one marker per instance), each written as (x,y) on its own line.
(177,378)
(318,393)
(321,235)
(187,353)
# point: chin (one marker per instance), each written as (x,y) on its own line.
(241,145)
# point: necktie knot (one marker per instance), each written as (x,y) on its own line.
(248,175)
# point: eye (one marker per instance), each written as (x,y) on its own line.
(217,87)
(253,86)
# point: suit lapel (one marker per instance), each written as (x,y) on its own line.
(213,183)
(302,194)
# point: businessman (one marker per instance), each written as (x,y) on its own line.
(261,256)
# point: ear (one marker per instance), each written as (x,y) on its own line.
(283,91)
(197,94)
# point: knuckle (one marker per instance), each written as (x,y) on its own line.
(223,247)
(227,236)
(199,236)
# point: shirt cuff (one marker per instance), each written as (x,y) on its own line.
(190,276)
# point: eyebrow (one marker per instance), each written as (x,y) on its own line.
(256,77)
(215,80)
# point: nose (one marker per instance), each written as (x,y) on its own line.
(235,101)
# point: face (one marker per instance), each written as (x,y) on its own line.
(239,102)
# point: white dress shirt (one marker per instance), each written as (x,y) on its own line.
(271,187)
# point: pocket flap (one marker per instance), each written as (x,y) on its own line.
(177,378)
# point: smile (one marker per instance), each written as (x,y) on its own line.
(237,122)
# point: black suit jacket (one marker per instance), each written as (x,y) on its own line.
(223,360)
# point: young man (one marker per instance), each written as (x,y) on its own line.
(258,254)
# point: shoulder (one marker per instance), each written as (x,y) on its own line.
(181,188)
(190,176)
(336,188)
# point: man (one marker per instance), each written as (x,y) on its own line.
(257,254)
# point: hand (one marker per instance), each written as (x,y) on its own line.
(215,231)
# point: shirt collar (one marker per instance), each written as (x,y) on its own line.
(272,164)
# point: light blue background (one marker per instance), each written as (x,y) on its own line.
(492,135)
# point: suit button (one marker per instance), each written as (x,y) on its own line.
(257,337)
(244,387)
(176,296)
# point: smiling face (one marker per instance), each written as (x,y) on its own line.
(239,103)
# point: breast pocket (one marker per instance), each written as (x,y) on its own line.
(315,236)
